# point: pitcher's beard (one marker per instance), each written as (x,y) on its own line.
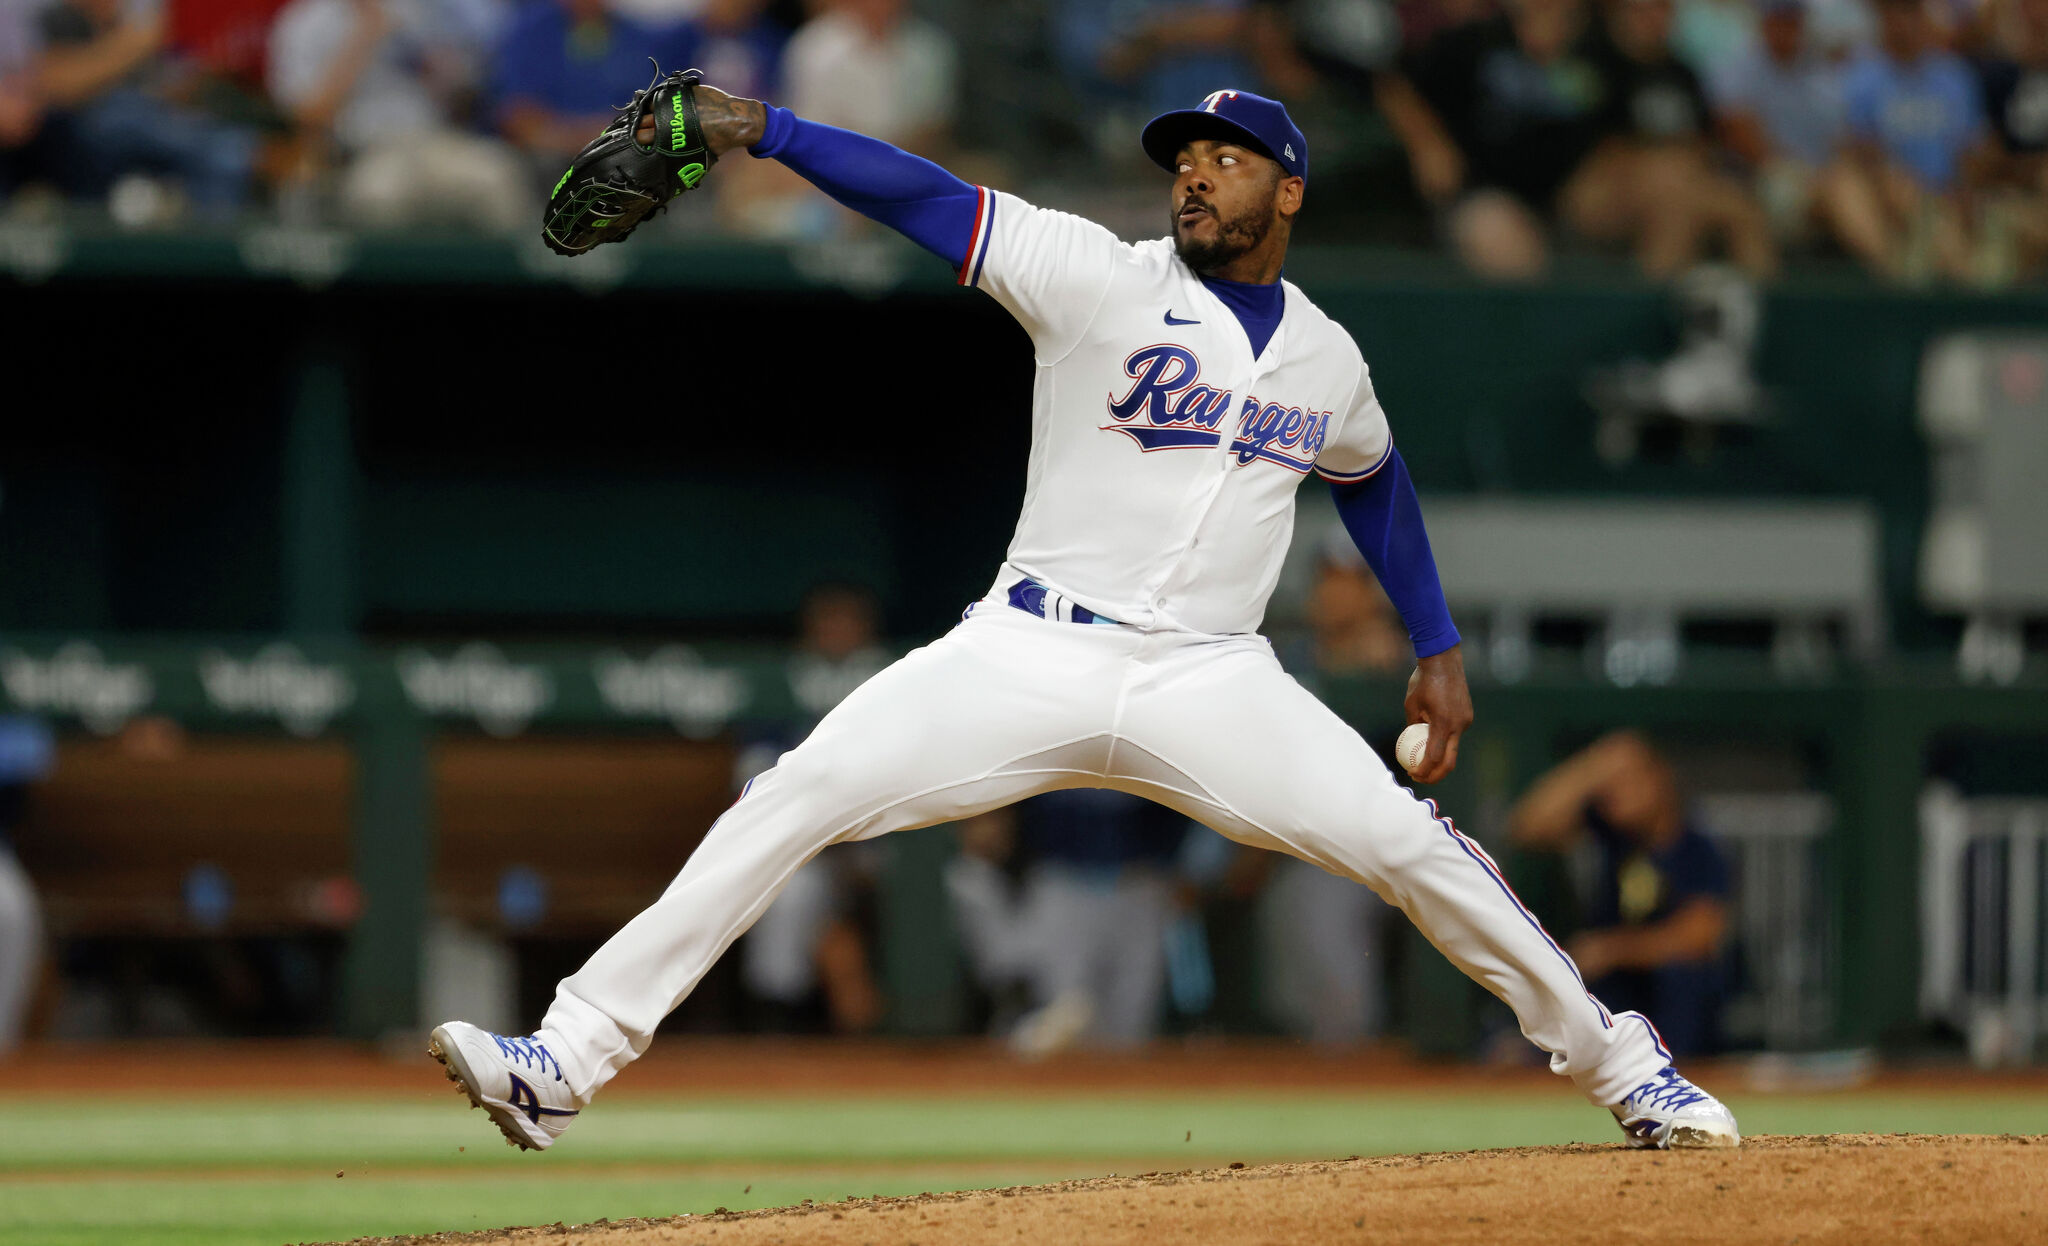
(1234,238)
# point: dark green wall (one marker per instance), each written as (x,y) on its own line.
(519,454)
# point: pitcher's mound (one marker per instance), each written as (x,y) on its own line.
(1863,1189)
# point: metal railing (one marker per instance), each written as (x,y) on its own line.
(1783,922)
(1982,940)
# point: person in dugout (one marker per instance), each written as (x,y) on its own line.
(1656,921)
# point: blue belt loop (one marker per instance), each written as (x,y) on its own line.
(1033,598)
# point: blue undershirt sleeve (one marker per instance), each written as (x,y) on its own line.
(909,194)
(1385,521)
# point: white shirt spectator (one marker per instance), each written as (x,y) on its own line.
(405,160)
(896,88)
(430,43)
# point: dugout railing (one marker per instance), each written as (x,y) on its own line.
(1984,920)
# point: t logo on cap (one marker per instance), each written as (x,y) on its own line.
(1232,116)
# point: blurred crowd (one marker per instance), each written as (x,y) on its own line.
(384,113)
(1908,135)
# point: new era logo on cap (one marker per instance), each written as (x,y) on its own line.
(1238,116)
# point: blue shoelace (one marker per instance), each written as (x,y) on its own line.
(532,1054)
(1667,1091)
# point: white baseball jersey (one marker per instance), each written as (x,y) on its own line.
(1164,457)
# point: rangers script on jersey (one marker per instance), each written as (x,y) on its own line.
(1164,456)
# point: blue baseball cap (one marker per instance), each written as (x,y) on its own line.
(1239,116)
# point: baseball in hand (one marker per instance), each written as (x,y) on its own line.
(1414,742)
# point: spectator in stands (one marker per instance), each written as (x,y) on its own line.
(1656,921)
(1655,182)
(1841,28)
(806,961)
(1307,47)
(26,754)
(21,105)
(866,65)
(1899,196)
(1541,115)
(229,39)
(1496,117)
(1781,113)
(740,41)
(378,88)
(1157,53)
(2015,85)
(1328,59)
(101,70)
(1307,51)
(743,44)
(1710,36)
(873,66)
(1965,27)
(565,66)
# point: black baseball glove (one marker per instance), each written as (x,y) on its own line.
(617,182)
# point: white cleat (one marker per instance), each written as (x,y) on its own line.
(1668,1111)
(517,1080)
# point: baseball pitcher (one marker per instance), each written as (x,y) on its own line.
(1183,389)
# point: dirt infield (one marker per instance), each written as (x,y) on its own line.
(1847,1188)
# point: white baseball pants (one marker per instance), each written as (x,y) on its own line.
(1008,705)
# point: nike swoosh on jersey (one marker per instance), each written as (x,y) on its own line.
(1170,318)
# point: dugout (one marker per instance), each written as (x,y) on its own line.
(412,799)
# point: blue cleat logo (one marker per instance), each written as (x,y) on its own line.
(522,1097)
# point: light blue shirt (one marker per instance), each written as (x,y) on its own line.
(1799,106)
(1924,116)
(1085,30)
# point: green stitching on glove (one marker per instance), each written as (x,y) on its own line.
(564,182)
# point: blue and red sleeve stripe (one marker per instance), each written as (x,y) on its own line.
(977,242)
